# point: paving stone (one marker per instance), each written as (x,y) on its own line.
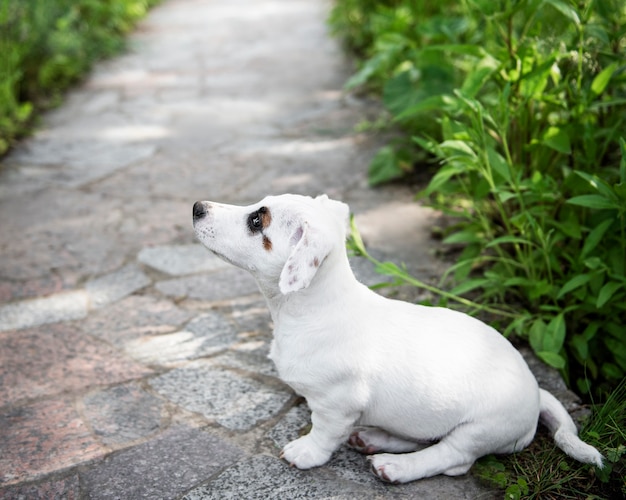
(252,316)
(164,468)
(117,285)
(205,335)
(262,478)
(42,438)
(51,359)
(217,286)
(134,317)
(28,313)
(60,489)
(233,401)
(17,290)
(83,161)
(254,361)
(178,260)
(254,326)
(123,414)
(295,423)
(57,229)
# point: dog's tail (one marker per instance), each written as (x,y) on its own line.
(555,417)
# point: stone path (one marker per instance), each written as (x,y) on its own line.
(132,363)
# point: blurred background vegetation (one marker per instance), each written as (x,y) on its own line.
(47,45)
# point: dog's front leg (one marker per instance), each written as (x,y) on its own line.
(329,431)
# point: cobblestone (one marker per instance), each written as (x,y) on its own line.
(28,313)
(234,401)
(179,260)
(115,286)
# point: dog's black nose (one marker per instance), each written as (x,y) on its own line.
(199,210)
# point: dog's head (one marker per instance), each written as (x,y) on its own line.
(282,240)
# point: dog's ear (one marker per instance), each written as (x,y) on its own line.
(338,208)
(310,247)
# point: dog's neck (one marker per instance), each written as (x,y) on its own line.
(330,282)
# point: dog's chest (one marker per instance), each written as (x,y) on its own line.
(298,364)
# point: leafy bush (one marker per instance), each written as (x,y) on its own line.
(48,45)
(523,106)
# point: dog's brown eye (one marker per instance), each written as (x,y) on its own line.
(259,220)
(254,222)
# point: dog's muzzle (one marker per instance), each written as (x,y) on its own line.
(200,209)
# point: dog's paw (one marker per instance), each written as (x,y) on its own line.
(389,468)
(304,454)
(359,440)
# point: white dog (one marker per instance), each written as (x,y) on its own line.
(405,374)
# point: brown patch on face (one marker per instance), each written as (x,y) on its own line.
(266,217)
(267,243)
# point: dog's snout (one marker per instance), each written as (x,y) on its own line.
(200,208)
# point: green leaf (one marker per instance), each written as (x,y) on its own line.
(552,359)
(574,283)
(467,50)
(535,335)
(505,195)
(602,79)
(427,105)
(469,286)
(594,263)
(612,371)
(607,291)
(557,139)
(459,147)
(581,346)
(498,164)
(567,10)
(507,239)
(593,201)
(518,281)
(622,163)
(477,78)
(384,166)
(594,237)
(444,174)
(355,240)
(401,92)
(389,268)
(540,288)
(590,331)
(598,184)
(466,236)
(368,70)
(533,83)
(523,484)
(409,89)
(555,334)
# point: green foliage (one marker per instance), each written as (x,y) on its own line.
(47,45)
(523,106)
